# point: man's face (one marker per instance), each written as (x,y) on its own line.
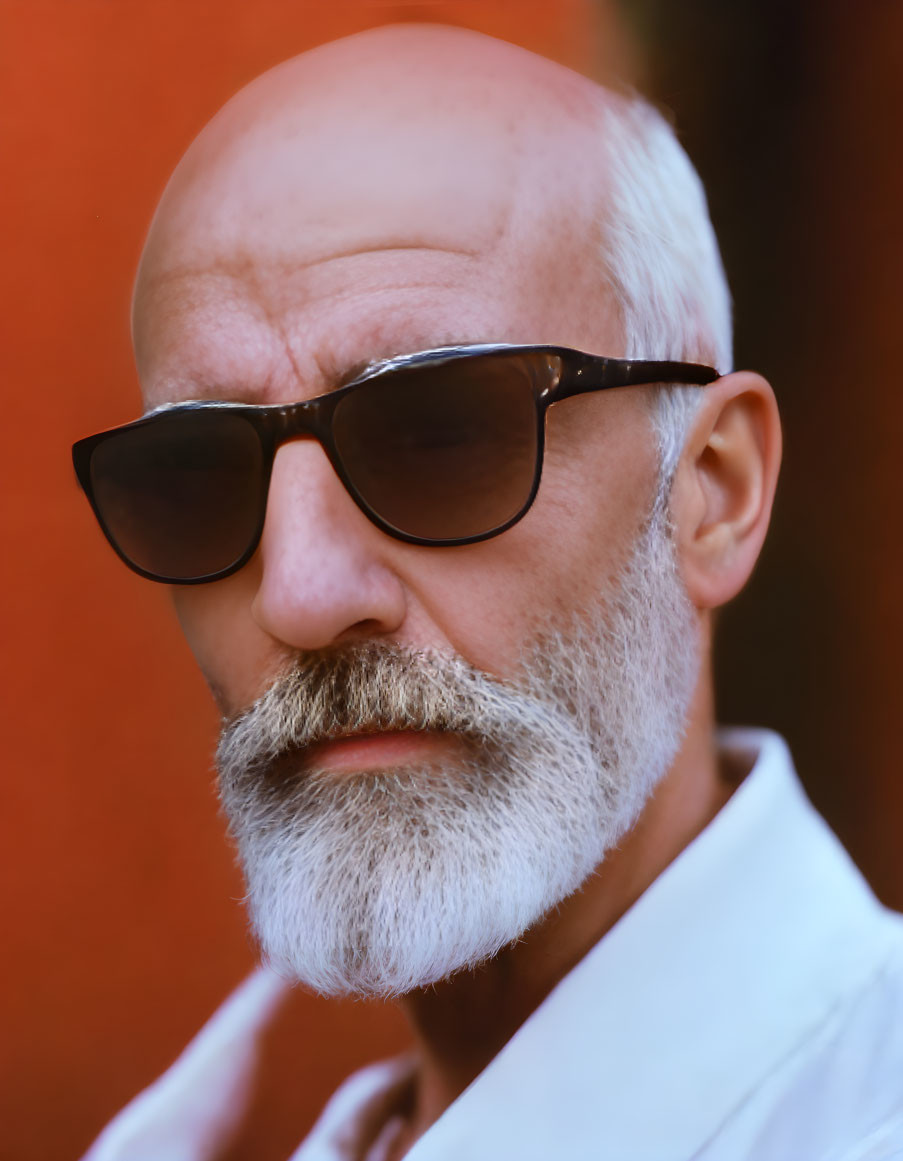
(274,269)
(297,244)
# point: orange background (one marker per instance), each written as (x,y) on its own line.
(122,915)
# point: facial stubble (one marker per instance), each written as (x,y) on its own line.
(379,882)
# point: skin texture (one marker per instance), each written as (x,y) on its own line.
(404,189)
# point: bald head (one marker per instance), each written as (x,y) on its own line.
(406,138)
(399,129)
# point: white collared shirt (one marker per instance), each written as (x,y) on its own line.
(748,1007)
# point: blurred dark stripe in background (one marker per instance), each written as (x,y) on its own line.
(791,111)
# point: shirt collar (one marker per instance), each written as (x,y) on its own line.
(729,960)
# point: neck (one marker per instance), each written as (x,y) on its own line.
(460,1024)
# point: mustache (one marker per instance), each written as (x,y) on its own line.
(371,688)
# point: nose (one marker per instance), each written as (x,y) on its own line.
(325,578)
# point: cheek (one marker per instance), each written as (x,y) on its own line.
(237,661)
(599,480)
(490,599)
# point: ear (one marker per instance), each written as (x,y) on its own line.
(724,486)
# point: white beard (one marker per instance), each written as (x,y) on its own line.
(376,883)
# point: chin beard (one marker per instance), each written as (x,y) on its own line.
(377,883)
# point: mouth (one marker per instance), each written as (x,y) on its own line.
(379,750)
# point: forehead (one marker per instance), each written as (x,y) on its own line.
(295,245)
(276,333)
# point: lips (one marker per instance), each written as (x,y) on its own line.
(371,750)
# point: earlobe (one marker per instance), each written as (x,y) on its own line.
(724,486)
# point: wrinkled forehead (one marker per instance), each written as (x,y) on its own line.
(475,168)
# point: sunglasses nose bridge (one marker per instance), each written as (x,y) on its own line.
(296,420)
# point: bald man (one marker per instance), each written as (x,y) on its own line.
(445,462)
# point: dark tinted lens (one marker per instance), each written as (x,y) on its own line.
(446,451)
(181,496)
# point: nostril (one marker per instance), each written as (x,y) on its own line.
(367,628)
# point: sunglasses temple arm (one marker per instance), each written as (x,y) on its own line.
(597,373)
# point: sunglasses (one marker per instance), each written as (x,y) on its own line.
(443,447)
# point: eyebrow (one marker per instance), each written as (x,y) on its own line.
(213,393)
(362,366)
(355,371)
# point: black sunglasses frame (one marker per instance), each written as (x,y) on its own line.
(276,424)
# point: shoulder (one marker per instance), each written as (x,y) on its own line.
(838,1095)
